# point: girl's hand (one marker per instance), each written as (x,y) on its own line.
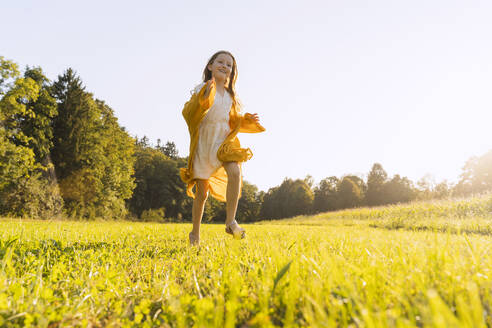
(255,117)
(210,85)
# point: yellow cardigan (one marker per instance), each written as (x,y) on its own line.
(229,151)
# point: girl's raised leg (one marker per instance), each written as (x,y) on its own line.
(233,184)
(232,197)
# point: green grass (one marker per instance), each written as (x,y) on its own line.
(350,268)
(471,215)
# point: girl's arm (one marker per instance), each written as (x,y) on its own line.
(199,102)
(207,94)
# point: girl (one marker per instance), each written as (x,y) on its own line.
(214,119)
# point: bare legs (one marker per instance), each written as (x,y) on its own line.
(232,197)
(201,196)
(233,186)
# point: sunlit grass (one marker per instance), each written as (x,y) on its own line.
(455,215)
(351,270)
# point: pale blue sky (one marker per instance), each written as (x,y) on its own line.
(339,85)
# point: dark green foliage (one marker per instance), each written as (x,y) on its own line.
(158,184)
(349,193)
(382,191)
(399,190)
(25,109)
(169,149)
(249,205)
(153,215)
(291,198)
(16,165)
(326,195)
(215,211)
(375,185)
(92,154)
(8,71)
(38,125)
(248,208)
(33,197)
(360,183)
(117,164)
(76,142)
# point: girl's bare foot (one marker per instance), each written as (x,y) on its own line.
(194,240)
(235,230)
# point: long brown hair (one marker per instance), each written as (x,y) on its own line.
(231,86)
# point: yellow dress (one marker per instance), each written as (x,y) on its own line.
(194,112)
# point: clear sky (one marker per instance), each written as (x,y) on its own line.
(339,85)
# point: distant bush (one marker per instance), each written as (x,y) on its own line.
(34,197)
(153,215)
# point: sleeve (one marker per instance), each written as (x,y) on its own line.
(197,88)
(197,104)
(248,124)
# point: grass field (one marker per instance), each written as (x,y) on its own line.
(416,265)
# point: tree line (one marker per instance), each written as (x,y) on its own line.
(64,154)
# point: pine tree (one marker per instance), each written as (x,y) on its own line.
(375,185)
(93,155)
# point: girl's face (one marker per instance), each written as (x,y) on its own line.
(221,68)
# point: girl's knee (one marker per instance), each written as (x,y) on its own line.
(233,170)
(201,196)
(201,190)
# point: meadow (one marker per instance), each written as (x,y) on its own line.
(414,265)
